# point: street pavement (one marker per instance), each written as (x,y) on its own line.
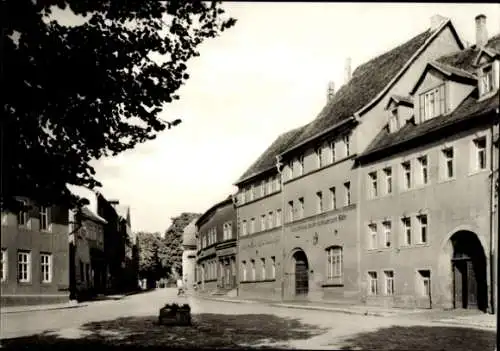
(133,321)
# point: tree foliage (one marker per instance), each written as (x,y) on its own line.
(151,265)
(76,93)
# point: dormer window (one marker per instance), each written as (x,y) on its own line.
(432,103)
(486,80)
(394,120)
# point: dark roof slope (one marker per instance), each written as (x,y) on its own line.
(367,81)
(470,108)
(268,159)
(86,212)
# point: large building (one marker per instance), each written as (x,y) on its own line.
(35,255)
(189,255)
(216,235)
(302,206)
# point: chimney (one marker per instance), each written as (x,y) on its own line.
(481,32)
(330,91)
(436,21)
(348,73)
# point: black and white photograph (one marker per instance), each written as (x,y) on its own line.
(249,175)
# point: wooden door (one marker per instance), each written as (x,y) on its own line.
(301,277)
(458,283)
(471,285)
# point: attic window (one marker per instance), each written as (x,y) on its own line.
(432,103)
(394,120)
(486,81)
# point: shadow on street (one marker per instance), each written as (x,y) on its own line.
(422,338)
(207,331)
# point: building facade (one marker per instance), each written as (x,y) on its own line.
(35,255)
(189,255)
(216,235)
(302,206)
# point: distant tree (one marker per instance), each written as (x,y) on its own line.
(173,240)
(77,93)
(147,246)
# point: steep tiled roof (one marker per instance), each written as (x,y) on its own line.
(268,158)
(470,108)
(91,215)
(367,81)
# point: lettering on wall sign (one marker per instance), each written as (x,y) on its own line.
(252,244)
(321,222)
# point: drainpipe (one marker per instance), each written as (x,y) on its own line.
(494,193)
(279,167)
(236,263)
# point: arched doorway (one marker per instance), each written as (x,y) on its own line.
(301,273)
(469,272)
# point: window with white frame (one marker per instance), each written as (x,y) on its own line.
(448,170)
(319,202)
(250,193)
(244,228)
(270,223)
(244,270)
(270,185)
(422,224)
(423,178)
(486,80)
(46,267)
(333,198)
(263,222)
(424,282)
(372,235)
(290,211)
(263,188)
(263,268)
(406,172)
(388,179)
(347,193)
(252,225)
(290,170)
(372,283)
(346,139)
(24,266)
(5,266)
(318,152)
(278,217)
(389,282)
(373,185)
(479,153)
(255,190)
(333,156)
(242,196)
(252,262)
(300,165)
(227,231)
(301,207)
(432,103)
(393,120)
(334,262)
(273,267)
(22,215)
(387,225)
(277,183)
(44,218)
(407,235)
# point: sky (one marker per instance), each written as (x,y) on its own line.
(264,76)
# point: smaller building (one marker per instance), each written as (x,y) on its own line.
(216,233)
(189,255)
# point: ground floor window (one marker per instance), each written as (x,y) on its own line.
(253,269)
(424,282)
(273,267)
(372,283)
(243,270)
(4,265)
(46,267)
(334,262)
(389,282)
(263,268)
(24,266)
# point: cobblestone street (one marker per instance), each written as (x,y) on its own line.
(133,321)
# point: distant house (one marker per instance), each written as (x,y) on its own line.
(34,262)
(189,254)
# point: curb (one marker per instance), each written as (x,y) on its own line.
(45,308)
(465,324)
(333,309)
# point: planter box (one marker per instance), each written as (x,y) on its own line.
(173,314)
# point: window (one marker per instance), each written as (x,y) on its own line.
(319,202)
(24,266)
(46,267)
(263,222)
(244,270)
(347,189)
(301,207)
(290,170)
(263,268)
(227,231)
(270,223)
(480,153)
(44,218)
(406,170)
(277,183)
(388,180)
(372,283)
(300,164)
(393,120)
(242,196)
(252,226)
(263,188)
(244,228)
(424,282)
(422,221)
(332,151)
(290,211)
(347,145)
(373,184)
(387,233)
(423,170)
(406,223)
(253,269)
(486,80)
(389,282)
(333,197)
(319,156)
(372,232)
(448,170)
(5,265)
(273,267)
(251,193)
(432,103)
(334,261)
(270,185)
(278,217)
(22,215)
